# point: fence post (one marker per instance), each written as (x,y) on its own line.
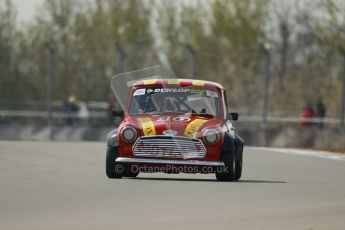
(50,50)
(267,76)
(342,100)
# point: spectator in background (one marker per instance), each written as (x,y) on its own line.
(70,109)
(307,113)
(320,111)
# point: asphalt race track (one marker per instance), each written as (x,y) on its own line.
(62,185)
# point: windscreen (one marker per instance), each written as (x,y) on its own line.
(175,100)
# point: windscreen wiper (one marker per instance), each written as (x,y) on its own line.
(203,115)
(166,112)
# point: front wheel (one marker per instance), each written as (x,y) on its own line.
(113,169)
(228,172)
(130,171)
(239,168)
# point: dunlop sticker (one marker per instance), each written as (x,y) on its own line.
(171,90)
(147,126)
(193,128)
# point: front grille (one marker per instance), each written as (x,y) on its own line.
(170,147)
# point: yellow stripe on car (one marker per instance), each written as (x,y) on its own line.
(149,82)
(174,82)
(199,83)
(192,128)
(147,126)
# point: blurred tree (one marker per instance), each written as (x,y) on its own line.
(224,35)
(83,36)
(330,34)
(8,59)
(283,16)
(237,28)
(315,60)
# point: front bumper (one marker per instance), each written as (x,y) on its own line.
(128,160)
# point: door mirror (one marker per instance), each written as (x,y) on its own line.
(117,113)
(233,116)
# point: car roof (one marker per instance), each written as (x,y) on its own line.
(176,82)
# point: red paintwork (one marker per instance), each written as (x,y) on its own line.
(213,151)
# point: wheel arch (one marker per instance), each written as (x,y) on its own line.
(233,144)
(112,138)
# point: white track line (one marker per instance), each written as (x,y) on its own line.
(311,153)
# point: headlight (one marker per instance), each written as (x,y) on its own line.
(211,136)
(129,134)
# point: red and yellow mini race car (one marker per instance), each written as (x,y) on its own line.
(175,126)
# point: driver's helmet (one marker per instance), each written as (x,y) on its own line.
(146,105)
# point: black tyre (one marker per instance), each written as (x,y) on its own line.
(239,168)
(228,173)
(130,172)
(113,169)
